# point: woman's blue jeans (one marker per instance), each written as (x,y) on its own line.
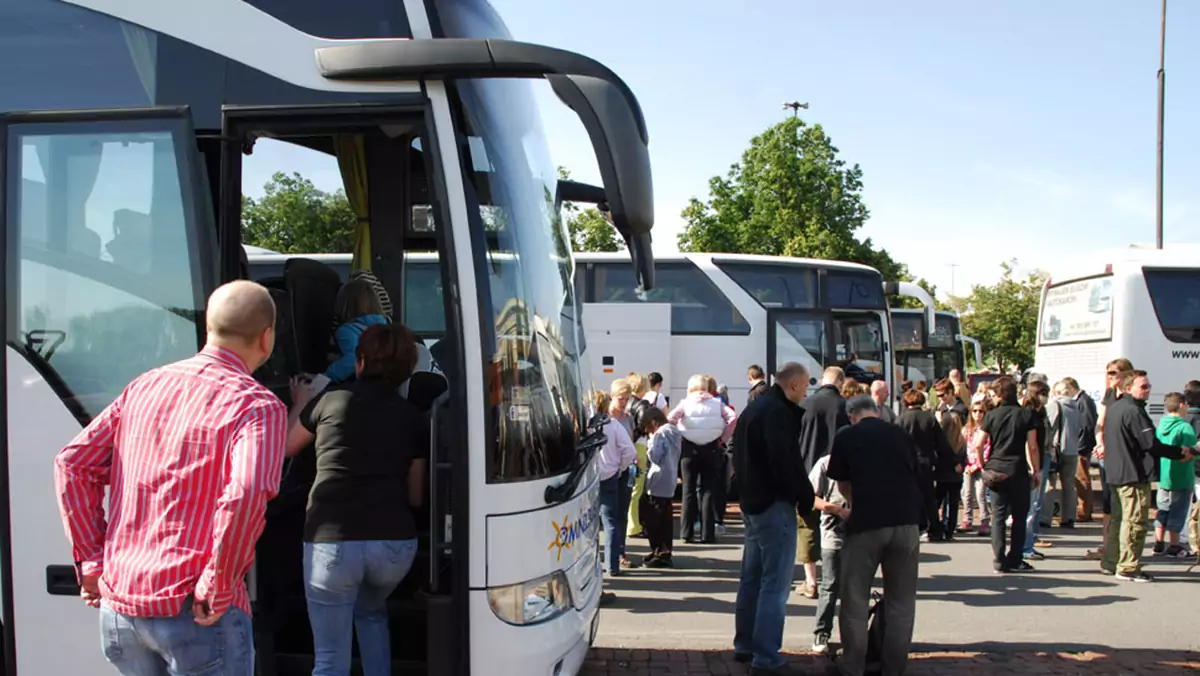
(615,493)
(1037,495)
(347,585)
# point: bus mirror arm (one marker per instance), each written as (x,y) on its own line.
(978,350)
(587,447)
(914,290)
(605,105)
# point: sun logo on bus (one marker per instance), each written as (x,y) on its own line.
(567,533)
(564,535)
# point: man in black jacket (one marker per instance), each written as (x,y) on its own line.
(774,488)
(758,383)
(824,415)
(1131,452)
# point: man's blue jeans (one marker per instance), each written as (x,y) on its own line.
(166,646)
(615,494)
(346,585)
(768,561)
(1032,522)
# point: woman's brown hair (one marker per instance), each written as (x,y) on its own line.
(387,352)
(914,399)
(1033,395)
(1120,364)
(356,298)
(602,400)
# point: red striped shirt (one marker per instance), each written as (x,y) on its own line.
(191,453)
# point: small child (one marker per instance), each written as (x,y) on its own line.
(1177,479)
(356,309)
(833,533)
(658,519)
(974,492)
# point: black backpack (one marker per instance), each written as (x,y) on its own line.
(637,408)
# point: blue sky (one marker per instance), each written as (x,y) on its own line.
(985,131)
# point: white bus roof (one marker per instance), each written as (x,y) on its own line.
(1122,259)
(594,257)
(266,256)
(919,311)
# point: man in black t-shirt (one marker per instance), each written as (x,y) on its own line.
(1010,473)
(875,465)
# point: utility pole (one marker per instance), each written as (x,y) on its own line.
(1162,85)
(795,106)
(952,266)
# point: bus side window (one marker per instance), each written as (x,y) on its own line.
(106,267)
(697,306)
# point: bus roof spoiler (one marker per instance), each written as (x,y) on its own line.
(978,350)
(604,103)
(914,290)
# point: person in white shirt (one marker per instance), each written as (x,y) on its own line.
(706,424)
(617,456)
(655,395)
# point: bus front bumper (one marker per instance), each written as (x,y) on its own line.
(557,647)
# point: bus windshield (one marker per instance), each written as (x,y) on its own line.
(538,399)
(858,344)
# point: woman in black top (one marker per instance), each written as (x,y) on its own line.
(360,537)
(1010,472)
(933,451)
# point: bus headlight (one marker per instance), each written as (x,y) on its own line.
(533,601)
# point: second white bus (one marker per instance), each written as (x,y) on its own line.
(1140,304)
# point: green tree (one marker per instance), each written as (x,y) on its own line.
(1003,316)
(790,195)
(588,229)
(294,216)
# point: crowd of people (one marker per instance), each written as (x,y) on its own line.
(839,480)
(834,479)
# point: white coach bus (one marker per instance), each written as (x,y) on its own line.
(1139,303)
(123,126)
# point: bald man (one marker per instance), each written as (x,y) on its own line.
(191,453)
(882,397)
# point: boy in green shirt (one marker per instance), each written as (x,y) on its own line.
(1177,478)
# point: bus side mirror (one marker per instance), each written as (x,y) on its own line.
(604,103)
(620,147)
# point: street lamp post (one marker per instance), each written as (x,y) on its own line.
(1162,85)
(795,107)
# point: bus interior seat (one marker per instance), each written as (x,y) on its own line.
(313,288)
(243,263)
(424,387)
(283,363)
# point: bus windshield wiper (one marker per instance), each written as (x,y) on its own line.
(587,447)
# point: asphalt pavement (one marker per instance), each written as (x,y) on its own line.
(1066,605)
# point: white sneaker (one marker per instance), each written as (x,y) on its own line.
(820,644)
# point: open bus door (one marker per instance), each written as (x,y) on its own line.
(108,259)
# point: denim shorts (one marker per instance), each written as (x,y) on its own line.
(1173,509)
